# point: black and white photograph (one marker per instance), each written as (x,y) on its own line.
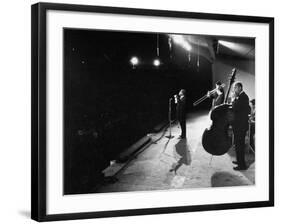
(138,112)
(135,111)
(157,111)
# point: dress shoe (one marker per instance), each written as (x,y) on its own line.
(240,168)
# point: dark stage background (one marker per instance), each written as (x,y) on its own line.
(109,105)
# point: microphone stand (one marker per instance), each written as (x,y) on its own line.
(170,120)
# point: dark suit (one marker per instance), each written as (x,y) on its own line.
(181,115)
(241,111)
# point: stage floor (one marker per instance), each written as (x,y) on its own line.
(179,163)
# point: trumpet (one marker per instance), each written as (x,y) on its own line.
(207,95)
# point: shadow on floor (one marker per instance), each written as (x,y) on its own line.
(224,179)
(249,155)
(25,214)
(182,153)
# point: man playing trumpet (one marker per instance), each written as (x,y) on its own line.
(217,95)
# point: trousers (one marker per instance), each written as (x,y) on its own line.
(239,141)
(183,128)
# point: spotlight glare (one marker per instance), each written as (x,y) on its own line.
(238,47)
(134,61)
(178,39)
(156,62)
(186,46)
(227,43)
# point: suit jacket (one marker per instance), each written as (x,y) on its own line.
(241,109)
(181,113)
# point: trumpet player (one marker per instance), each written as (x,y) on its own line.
(217,95)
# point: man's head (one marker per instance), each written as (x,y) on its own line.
(238,88)
(182,92)
(218,85)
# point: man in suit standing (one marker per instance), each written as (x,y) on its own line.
(241,111)
(181,113)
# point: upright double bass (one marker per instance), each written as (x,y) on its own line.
(215,139)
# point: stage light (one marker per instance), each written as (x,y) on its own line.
(186,46)
(134,61)
(156,62)
(178,39)
(238,47)
(227,43)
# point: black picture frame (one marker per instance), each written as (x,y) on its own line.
(38,78)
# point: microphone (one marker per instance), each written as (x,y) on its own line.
(176,97)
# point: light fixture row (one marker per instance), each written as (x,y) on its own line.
(178,39)
(135,61)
